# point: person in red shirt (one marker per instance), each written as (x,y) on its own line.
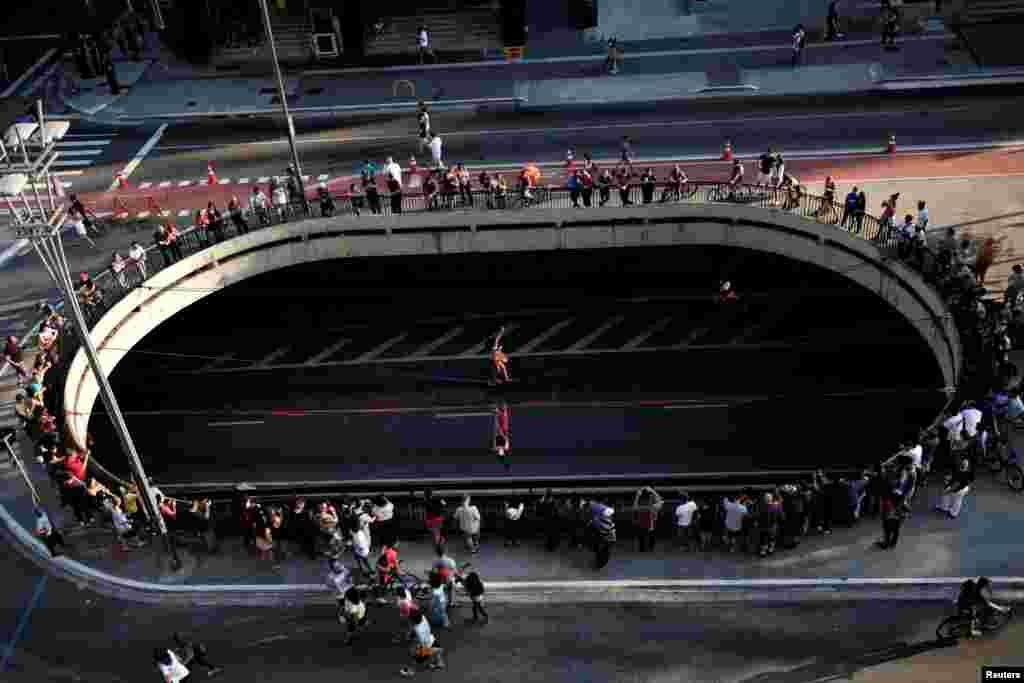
(502,433)
(726,294)
(76,465)
(388,569)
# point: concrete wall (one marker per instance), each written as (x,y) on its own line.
(769,230)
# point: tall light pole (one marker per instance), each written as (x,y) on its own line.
(284,99)
(44,233)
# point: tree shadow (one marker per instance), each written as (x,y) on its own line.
(837,669)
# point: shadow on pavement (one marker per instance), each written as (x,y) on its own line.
(840,669)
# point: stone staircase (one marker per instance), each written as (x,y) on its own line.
(292,37)
(468,31)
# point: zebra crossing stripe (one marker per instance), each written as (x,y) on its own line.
(143,186)
(166,183)
(224,181)
(143,214)
(323,178)
(243,181)
(184,213)
(184,183)
(264,179)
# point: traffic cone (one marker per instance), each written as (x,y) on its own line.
(122,180)
(891,147)
(211,175)
(727,151)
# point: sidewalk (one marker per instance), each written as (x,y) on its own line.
(173,91)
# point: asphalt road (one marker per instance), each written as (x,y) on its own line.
(52,631)
(336,145)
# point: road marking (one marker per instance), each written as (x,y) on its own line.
(80,153)
(698,406)
(221,359)
(263,179)
(68,173)
(82,143)
(143,186)
(143,214)
(224,181)
(184,213)
(237,423)
(478,349)
(373,353)
(33,602)
(426,349)
(647,334)
(141,154)
(305,178)
(85,136)
(544,336)
(329,351)
(323,177)
(74,162)
(274,355)
(271,639)
(184,183)
(165,183)
(441,416)
(590,338)
(243,181)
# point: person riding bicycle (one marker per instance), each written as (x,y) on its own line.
(975,601)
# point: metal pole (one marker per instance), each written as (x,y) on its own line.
(284,100)
(158,15)
(21,468)
(107,394)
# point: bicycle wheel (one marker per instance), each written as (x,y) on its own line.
(1015,477)
(951,628)
(994,621)
(994,460)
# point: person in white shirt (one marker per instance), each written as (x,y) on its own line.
(468,517)
(435,150)
(383,512)
(684,515)
(258,206)
(117,266)
(78,226)
(513,516)
(423,44)
(361,551)
(734,514)
(393,170)
(972,418)
(138,258)
(425,650)
(339,580)
(281,201)
(922,216)
(170,666)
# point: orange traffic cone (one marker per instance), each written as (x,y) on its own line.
(727,151)
(122,180)
(891,147)
(211,175)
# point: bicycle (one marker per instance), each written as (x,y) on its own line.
(1001,457)
(404,581)
(959,625)
(521,201)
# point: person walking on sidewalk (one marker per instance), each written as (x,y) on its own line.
(799,42)
(603,524)
(648,183)
(48,534)
(684,514)
(436,146)
(434,517)
(832,22)
(513,519)
(468,517)
(423,122)
(647,516)
(957,488)
(423,48)
(604,187)
(894,511)
(862,208)
(849,208)
(192,652)
(475,589)
(354,613)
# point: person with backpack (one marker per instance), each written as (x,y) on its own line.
(475,589)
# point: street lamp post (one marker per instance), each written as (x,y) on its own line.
(45,237)
(284,100)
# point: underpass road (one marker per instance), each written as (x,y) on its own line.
(67,635)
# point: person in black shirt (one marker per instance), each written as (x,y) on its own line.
(647,184)
(622,178)
(395,190)
(957,488)
(372,195)
(475,588)
(326,201)
(764,168)
(604,187)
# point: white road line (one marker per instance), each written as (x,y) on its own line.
(647,334)
(143,186)
(73,162)
(184,183)
(373,353)
(143,214)
(441,416)
(430,347)
(165,183)
(698,406)
(243,181)
(329,351)
(544,336)
(274,355)
(323,177)
(220,359)
(590,338)
(82,143)
(235,424)
(263,179)
(305,178)
(141,154)
(75,136)
(271,639)
(80,153)
(478,349)
(68,173)
(224,181)
(9,90)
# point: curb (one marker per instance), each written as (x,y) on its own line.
(803,591)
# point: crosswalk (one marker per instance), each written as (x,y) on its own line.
(77,151)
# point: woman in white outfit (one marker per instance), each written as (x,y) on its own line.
(957,489)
